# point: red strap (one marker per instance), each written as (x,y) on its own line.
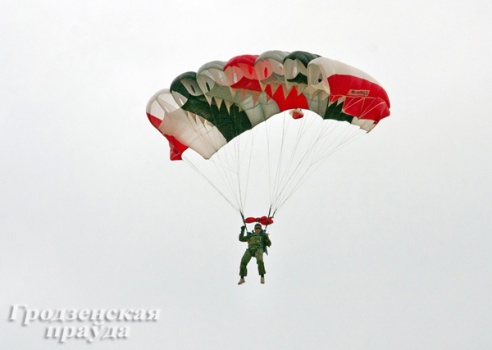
(263,220)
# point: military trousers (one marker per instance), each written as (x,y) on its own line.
(248,254)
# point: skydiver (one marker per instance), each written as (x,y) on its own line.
(258,241)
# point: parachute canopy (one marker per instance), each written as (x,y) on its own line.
(211,110)
(205,110)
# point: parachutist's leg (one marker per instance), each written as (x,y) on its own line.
(243,271)
(259,261)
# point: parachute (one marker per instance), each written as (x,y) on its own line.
(262,123)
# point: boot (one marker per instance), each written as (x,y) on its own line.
(241,280)
(262,280)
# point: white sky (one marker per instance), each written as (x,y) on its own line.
(388,246)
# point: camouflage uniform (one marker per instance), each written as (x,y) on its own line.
(257,243)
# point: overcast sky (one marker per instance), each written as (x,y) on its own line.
(387,246)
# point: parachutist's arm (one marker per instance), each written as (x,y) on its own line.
(242,238)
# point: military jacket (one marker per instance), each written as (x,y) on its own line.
(256,240)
